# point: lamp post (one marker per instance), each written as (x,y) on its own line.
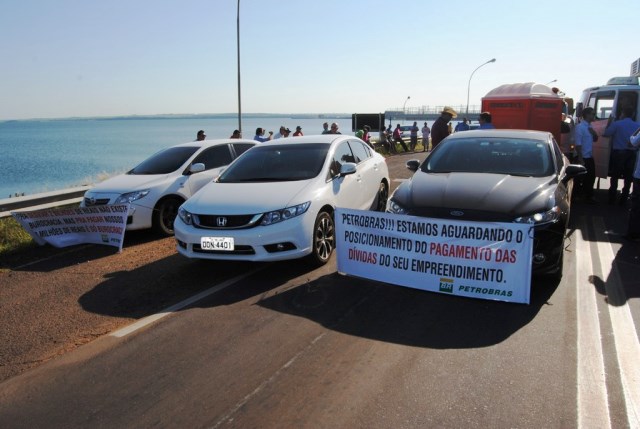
(238,43)
(492,60)
(405,103)
(551,81)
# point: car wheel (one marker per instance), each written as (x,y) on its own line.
(323,239)
(165,214)
(381,198)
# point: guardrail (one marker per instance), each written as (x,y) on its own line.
(44,200)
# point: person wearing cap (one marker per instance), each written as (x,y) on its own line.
(485,121)
(440,128)
(298,131)
(200,136)
(236,134)
(281,133)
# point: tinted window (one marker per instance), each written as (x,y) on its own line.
(166,161)
(492,155)
(341,156)
(214,157)
(360,152)
(241,148)
(283,162)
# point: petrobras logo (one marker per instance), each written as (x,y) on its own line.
(446,285)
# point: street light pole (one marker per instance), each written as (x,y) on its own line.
(551,81)
(238,43)
(405,103)
(492,60)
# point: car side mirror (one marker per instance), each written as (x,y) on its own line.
(574,170)
(347,168)
(413,165)
(196,168)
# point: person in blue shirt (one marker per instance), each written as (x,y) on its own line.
(462,126)
(585,136)
(485,121)
(633,230)
(259,137)
(623,157)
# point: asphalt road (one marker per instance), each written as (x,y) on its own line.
(87,343)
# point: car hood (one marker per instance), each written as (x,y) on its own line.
(248,198)
(497,193)
(128,183)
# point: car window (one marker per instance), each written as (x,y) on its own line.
(524,157)
(359,151)
(166,161)
(214,157)
(558,155)
(277,163)
(341,156)
(241,148)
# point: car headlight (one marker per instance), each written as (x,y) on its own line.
(548,216)
(130,197)
(276,216)
(186,217)
(394,207)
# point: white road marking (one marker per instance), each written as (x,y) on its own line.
(624,331)
(593,405)
(155,317)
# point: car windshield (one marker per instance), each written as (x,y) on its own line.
(517,157)
(166,161)
(277,163)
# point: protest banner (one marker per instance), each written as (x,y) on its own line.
(489,260)
(68,226)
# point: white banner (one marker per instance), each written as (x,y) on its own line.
(488,260)
(68,226)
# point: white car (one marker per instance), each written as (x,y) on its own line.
(160,184)
(277,200)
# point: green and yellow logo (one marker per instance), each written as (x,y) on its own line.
(446,285)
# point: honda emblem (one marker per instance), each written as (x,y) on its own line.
(221,221)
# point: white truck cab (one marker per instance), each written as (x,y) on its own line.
(608,100)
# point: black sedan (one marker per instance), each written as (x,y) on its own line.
(496,176)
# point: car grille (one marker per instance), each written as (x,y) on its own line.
(226,222)
(466,215)
(88,202)
(239,250)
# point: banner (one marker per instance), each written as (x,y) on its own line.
(488,260)
(68,226)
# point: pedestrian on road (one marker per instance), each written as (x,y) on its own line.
(633,230)
(425,137)
(623,157)
(397,138)
(413,136)
(585,137)
(440,128)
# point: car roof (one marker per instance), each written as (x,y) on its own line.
(522,134)
(319,138)
(213,142)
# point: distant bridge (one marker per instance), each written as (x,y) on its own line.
(428,113)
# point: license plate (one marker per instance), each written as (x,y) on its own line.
(217,243)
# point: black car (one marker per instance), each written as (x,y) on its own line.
(496,176)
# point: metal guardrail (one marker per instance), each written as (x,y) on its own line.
(42,201)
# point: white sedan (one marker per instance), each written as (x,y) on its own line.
(160,184)
(277,200)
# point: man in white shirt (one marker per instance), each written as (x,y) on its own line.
(425,137)
(585,136)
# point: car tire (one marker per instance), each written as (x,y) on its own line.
(381,198)
(323,240)
(164,214)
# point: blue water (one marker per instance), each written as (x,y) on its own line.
(40,156)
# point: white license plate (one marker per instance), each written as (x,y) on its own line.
(217,243)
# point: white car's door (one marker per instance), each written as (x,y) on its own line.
(369,171)
(214,159)
(349,191)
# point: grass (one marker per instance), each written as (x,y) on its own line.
(13,237)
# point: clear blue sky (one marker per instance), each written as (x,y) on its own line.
(122,57)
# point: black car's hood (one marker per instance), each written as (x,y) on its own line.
(475,192)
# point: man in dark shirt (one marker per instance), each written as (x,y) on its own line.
(440,128)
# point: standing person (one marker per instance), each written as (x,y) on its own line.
(440,129)
(623,157)
(633,230)
(298,131)
(236,134)
(413,136)
(325,128)
(334,129)
(397,138)
(425,136)
(259,137)
(462,126)
(366,137)
(281,133)
(200,136)
(384,139)
(485,121)
(585,137)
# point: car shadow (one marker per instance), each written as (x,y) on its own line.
(407,316)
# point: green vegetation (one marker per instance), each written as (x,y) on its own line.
(13,237)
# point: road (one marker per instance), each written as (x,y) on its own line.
(89,342)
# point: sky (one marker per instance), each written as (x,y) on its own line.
(78,58)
